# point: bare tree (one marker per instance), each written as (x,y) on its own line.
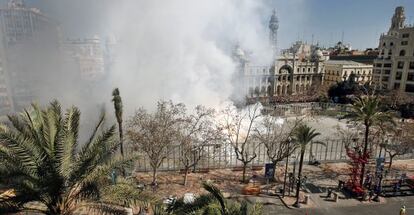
(274,134)
(402,142)
(238,126)
(155,133)
(196,131)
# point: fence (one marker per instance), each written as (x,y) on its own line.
(295,109)
(223,156)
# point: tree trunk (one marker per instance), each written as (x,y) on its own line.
(302,153)
(186,169)
(244,172)
(274,171)
(364,152)
(121,138)
(121,144)
(390,164)
(154,176)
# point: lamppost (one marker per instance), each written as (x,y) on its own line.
(286,168)
(292,184)
(380,170)
(294,170)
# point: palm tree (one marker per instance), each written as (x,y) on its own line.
(42,161)
(213,203)
(367,110)
(302,137)
(117,100)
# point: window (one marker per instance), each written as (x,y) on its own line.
(405,35)
(396,86)
(410,76)
(387,72)
(384,44)
(378,65)
(402,52)
(400,65)
(409,88)
(387,65)
(411,65)
(404,43)
(398,76)
(390,52)
(391,44)
(385,79)
(309,69)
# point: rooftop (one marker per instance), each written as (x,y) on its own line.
(345,63)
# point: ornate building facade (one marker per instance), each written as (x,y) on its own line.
(394,67)
(289,75)
(341,70)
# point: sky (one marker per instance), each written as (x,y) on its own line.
(361,21)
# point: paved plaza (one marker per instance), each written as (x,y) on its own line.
(390,207)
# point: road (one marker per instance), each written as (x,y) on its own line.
(392,207)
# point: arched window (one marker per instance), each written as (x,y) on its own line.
(402,52)
(383,44)
(391,44)
(269,91)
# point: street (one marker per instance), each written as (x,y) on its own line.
(391,207)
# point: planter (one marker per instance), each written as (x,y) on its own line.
(251,190)
(203,170)
(182,171)
(257,168)
(237,169)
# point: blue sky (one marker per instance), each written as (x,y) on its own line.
(362,21)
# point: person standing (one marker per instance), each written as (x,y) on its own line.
(402,210)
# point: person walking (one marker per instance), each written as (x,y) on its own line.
(402,210)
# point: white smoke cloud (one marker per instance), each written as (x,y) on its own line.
(181,49)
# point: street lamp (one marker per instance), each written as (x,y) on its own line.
(295,161)
(286,168)
(293,179)
(380,171)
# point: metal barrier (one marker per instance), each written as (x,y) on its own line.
(223,156)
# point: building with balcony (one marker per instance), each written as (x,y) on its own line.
(341,70)
(290,75)
(28,39)
(394,67)
(86,57)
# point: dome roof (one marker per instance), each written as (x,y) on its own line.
(239,52)
(319,53)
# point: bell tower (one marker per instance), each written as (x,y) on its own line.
(398,20)
(273,27)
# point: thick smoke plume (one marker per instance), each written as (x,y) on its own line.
(181,50)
